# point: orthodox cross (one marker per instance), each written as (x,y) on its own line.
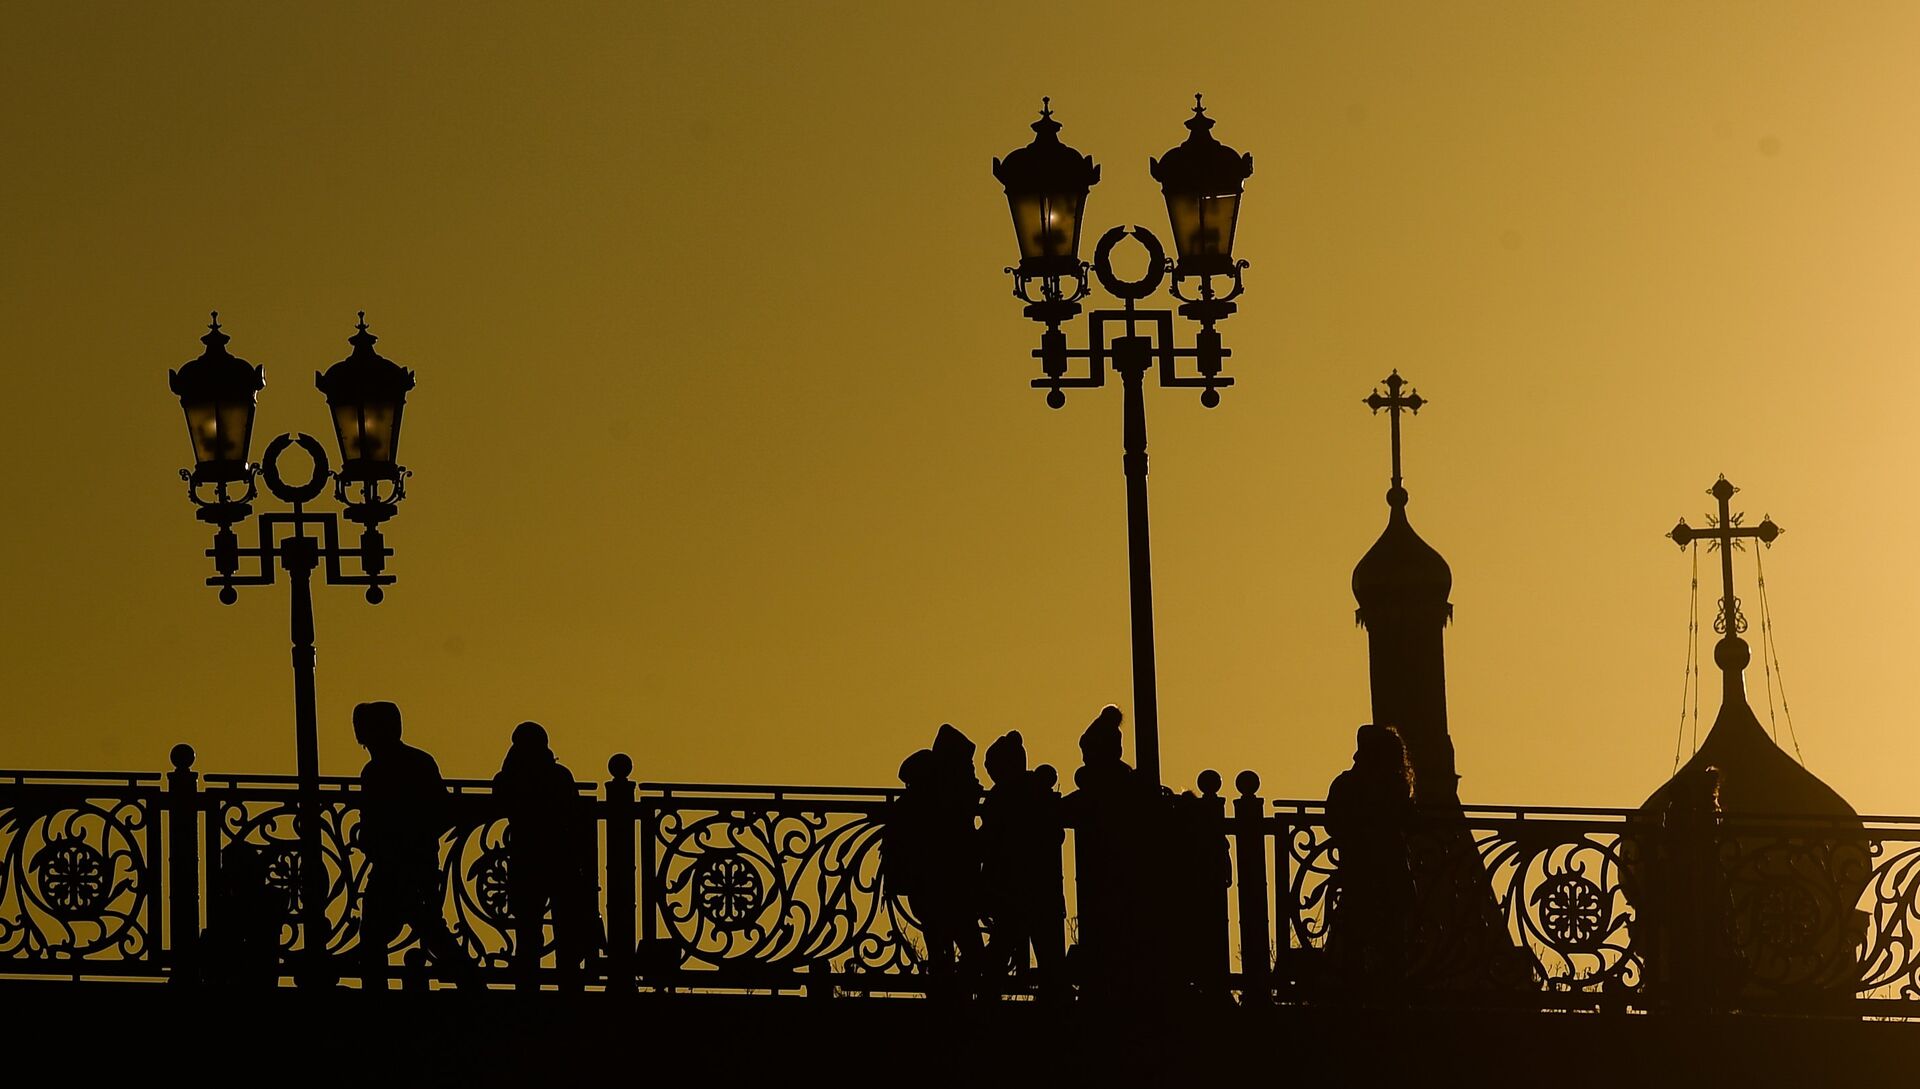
(1393,403)
(1725,534)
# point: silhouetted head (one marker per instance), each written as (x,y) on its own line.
(1696,790)
(1046,777)
(918,768)
(950,744)
(1101,741)
(530,735)
(1378,749)
(1007,758)
(376,725)
(529,750)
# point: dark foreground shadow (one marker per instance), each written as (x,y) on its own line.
(341,1036)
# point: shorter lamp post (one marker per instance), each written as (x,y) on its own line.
(366,394)
(1202,180)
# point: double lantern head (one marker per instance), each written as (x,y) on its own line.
(365,393)
(1047,184)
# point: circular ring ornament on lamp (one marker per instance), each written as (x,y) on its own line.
(1130,289)
(270,468)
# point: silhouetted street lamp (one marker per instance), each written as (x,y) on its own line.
(1047,184)
(366,394)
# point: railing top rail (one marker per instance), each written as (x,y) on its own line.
(351,783)
(1318,807)
(776,792)
(120,778)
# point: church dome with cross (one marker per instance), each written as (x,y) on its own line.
(1401,574)
(1788,925)
(1755,775)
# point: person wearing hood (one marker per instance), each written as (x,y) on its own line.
(931,855)
(1110,813)
(1021,832)
(550,858)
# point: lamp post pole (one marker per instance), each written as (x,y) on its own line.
(1132,368)
(1202,180)
(366,393)
(298,557)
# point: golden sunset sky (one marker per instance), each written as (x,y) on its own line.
(723,447)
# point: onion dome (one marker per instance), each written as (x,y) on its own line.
(1401,575)
(1756,776)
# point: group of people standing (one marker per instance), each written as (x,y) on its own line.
(1145,860)
(961,859)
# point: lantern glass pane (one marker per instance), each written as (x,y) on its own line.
(203,429)
(365,431)
(1203,226)
(236,428)
(219,430)
(1047,224)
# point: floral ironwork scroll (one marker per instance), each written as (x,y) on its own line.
(757,883)
(268,822)
(473,870)
(78,890)
(1793,923)
(1499,903)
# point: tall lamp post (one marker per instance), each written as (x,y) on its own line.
(366,394)
(1202,180)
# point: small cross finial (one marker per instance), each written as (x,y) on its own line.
(1046,107)
(363,321)
(1726,533)
(1197,107)
(1393,402)
(215,323)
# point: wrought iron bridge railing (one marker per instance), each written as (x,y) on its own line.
(750,888)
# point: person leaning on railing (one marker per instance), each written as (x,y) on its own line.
(550,858)
(1369,809)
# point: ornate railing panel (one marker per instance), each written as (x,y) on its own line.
(265,819)
(1501,902)
(473,867)
(752,881)
(1890,954)
(79,887)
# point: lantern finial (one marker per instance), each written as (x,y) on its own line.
(214,338)
(1046,126)
(361,337)
(1199,122)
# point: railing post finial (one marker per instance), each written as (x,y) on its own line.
(620,876)
(1250,851)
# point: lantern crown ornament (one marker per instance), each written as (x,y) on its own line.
(1202,180)
(1046,185)
(218,392)
(366,393)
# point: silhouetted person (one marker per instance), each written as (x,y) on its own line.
(550,857)
(1699,963)
(932,854)
(1110,812)
(403,814)
(241,947)
(1021,832)
(1369,811)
